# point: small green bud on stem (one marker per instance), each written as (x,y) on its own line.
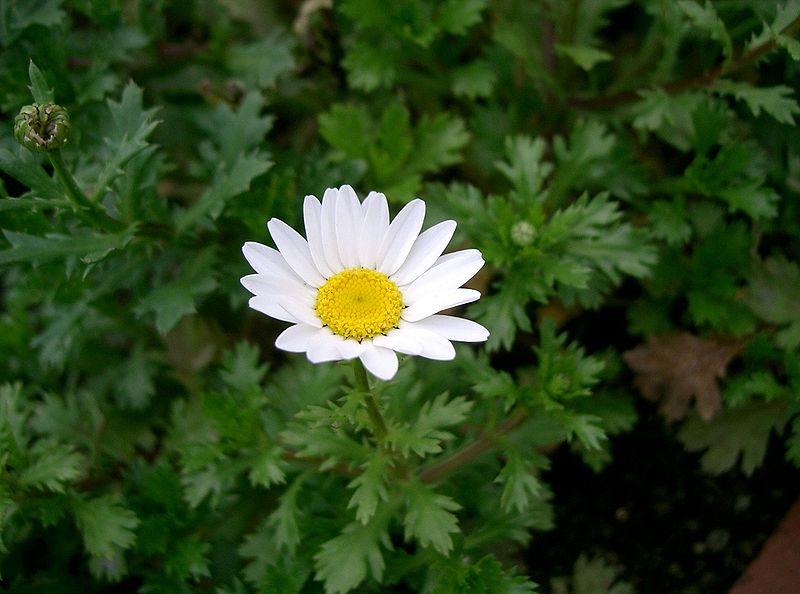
(42,127)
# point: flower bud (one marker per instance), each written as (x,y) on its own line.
(42,127)
(522,233)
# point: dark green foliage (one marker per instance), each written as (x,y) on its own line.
(607,155)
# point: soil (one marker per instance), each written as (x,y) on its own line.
(653,512)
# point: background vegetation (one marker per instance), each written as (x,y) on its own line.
(634,156)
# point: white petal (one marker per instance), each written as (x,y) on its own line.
(267,260)
(400,236)
(302,311)
(297,338)
(426,249)
(323,347)
(398,340)
(349,218)
(270,306)
(449,273)
(379,361)
(434,346)
(295,251)
(453,328)
(437,301)
(350,348)
(270,284)
(373,229)
(328,215)
(312,215)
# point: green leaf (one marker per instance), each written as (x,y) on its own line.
(105,524)
(456,16)
(792,446)
(519,483)
(370,486)
(426,435)
(526,167)
(473,80)
(225,186)
(52,466)
(503,314)
(131,125)
(23,165)
(668,220)
(774,290)
(261,62)
(437,142)
(590,231)
(753,199)
(267,468)
(89,247)
(587,428)
(283,520)
(705,17)
(460,575)
(584,56)
(370,66)
(733,434)
(176,299)
(342,562)
(42,94)
(778,101)
(347,128)
(429,518)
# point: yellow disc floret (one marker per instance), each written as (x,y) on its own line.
(359,303)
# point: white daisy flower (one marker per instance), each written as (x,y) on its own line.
(360,286)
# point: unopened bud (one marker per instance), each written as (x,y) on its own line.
(522,233)
(42,127)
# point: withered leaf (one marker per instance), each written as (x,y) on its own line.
(673,368)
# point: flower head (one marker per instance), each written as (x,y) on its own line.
(361,286)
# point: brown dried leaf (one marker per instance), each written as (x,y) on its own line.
(673,368)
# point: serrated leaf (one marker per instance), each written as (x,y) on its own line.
(284,519)
(503,314)
(777,101)
(89,247)
(429,518)
(526,167)
(52,465)
(675,368)
(370,487)
(347,128)
(342,562)
(370,67)
(106,525)
(456,16)
(225,186)
(426,435)
(519,483)
(437,142)
(733,434)
(261,62)
(473,80)
(755,200)
(668,220)
(176,299)
(705,17)
(23,165)
(127,137)
(267,468)
(584,56)
(774,290)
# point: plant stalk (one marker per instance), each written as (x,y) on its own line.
(83,207)
(362,385)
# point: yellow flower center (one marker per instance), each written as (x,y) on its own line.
(359,303)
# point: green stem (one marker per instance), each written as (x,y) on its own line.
(74,193)
(362,385)
(83,207)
